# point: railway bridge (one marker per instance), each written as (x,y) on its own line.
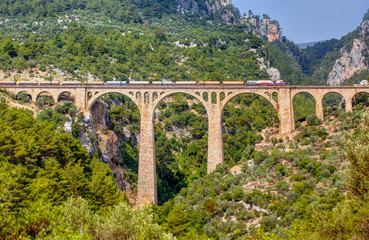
(214,98)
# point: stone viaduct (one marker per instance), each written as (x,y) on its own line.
(214,98)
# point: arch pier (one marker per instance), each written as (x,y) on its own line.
(214,99)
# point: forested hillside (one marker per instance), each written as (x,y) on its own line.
(69,174)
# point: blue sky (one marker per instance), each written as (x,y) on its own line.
(313,20)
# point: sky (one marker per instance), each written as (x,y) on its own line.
(312,20)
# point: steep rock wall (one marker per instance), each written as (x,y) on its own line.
(211,8)
(350,62)
(264,27)
(99,140)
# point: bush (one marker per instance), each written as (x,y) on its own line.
(310,119)
(23,97)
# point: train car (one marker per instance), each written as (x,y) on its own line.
(232,83)
(209,83)
(27,83)
(45,83)
(70,83)
(185,83)
(162,83)
(265,83)
(7,83)
(116,83)
(95,83)
(139,82)
(279,83)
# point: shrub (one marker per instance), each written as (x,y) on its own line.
(310,119)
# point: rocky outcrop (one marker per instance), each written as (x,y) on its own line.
(211,8)
(349,63)
(98,139)
(273,72)
(364,29)
(264,27)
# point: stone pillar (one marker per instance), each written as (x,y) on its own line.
(348,101)
(319,109)
(285,111)
(81,98)
(147,189)
(215,136)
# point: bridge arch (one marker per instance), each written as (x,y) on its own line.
(46,94)
(99,95)
(168,94)
(266,95)
(360,97)
(66,96)
(24,96)
(173,112)
(297,108)
(331,99)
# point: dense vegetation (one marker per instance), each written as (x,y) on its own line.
(294,187)
(290,188)
(51,188)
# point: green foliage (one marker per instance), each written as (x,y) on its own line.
(44,101)
(24,97)
(366,15)
(357,153)
(303,105)
(40,168)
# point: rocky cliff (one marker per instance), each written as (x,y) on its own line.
(352,60)
(264,27)
(212,8)
(98,138)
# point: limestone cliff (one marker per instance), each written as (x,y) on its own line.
(211,8)
(98,138)
(352,60)
(264,27)
(364,29)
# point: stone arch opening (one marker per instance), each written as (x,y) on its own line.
(304,104)
(214,99)
(360,100)
(66,97)
(45,99)
(138,96)
(247,119)
(275,96)
(89,96)
(116,118)
(147,97)
(222,96)
(181,142)
(205,96)
(24,96)
(332,102)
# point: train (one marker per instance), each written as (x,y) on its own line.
(156,83)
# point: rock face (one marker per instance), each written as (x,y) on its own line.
(350,62)
(365,29)
(98,139)
(273,72)
(211,8)
(264,27)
